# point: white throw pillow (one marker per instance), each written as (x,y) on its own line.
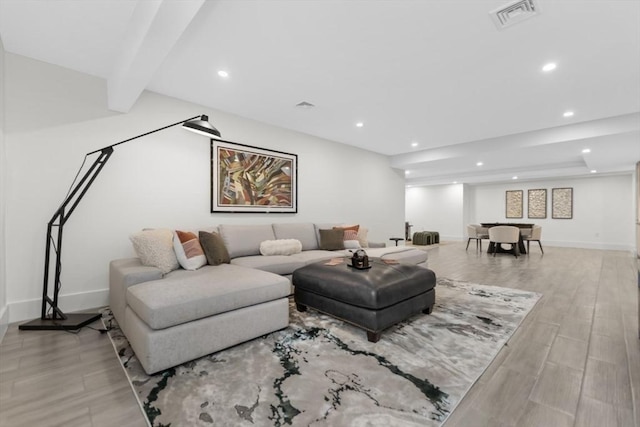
(188,250)
(351,244)
(154,247)
(280,247)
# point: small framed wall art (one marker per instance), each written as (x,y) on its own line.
(514,204)
(537,203)
(252,179)
(562,203)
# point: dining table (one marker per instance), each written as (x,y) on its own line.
(520,225)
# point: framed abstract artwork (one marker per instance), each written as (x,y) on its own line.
(514,204)
(562,203)
(252,179)
(537,203)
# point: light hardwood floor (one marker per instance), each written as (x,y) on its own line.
(575,361)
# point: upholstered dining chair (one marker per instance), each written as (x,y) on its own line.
(472,232)
(525,232)
(505,234)
(483,233)
(536,234)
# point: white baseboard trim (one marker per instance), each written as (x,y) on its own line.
(588,245)
(4,321)
(564,244)
(30,309)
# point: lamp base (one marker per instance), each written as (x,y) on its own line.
(71,323)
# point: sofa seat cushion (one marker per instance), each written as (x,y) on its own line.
(308,257)
(304,232)
(278,264)
(404,254)
(284,264)
(183,296)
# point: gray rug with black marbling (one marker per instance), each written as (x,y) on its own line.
(322,372)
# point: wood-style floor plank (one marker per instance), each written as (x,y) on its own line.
(55,378)
(588,316)
(574,361)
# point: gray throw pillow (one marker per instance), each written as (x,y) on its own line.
(214,248)
(332,240)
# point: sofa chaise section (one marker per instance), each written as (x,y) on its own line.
(188,314)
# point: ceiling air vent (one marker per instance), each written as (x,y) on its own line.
(304,104)
(514,12)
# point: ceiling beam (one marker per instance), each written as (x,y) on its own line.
(154,28)
(561,134)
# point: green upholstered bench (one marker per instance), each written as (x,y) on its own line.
(426,237)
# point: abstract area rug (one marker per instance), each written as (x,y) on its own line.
(322,372)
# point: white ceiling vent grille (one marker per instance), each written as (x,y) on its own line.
(304,104)
(514,12)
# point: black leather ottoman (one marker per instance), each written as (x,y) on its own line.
(372,299)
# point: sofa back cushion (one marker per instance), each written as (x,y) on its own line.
(304,232)
(244,240)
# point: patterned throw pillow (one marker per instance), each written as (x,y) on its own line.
(154,247)
(350,234)
(214,248)
(188,250)
(348,227)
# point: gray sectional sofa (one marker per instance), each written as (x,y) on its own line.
(185,314)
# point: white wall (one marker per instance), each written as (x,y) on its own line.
(603,210)
(603,215)
(436,208)
(4,313)
(54,116)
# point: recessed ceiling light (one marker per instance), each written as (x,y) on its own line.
(515,177)
(586,150)
(593,171)
(409,186)
(568,114)
(223,74)
(455,182)
(407,172)
(479,164)
(359,124)
(414,144)
(549,67)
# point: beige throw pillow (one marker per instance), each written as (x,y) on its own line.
(154,247)
(363,237)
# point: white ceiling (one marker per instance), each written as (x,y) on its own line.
(435,72)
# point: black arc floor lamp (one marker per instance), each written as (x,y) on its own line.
(52,317)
